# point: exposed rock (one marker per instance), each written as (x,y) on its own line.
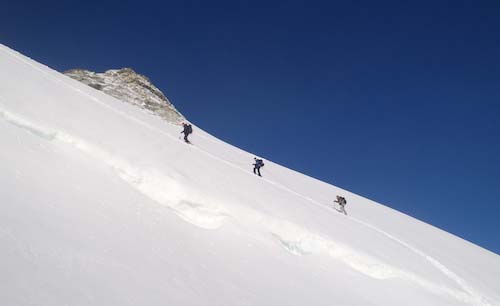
(127,85)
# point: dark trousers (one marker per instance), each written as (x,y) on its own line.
(186,137)
(256,170)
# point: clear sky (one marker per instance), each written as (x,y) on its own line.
(398,101)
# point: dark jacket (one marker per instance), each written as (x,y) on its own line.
(341,200)
(258,163)
(188,129)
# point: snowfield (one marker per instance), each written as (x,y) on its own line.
(103,204)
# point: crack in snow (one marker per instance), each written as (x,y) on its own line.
(200,211)
(299,241)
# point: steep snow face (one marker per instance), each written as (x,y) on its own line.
(127,85)
(105,205)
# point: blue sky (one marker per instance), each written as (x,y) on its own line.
(397,101)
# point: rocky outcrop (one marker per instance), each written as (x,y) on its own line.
(127,85)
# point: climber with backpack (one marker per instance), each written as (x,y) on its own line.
(342,202)
(258,163)
(188,129)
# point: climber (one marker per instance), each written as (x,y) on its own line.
(257,165)
(342,202)
(188,129)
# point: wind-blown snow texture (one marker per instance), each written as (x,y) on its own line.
(103,204)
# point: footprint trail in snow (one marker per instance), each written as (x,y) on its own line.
(205,212)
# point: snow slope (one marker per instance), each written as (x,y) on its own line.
(102,204)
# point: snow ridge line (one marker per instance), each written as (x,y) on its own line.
(303,243)
(196,210)
(475,298)
(201,211)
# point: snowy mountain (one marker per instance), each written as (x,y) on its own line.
(103,204)
(127,85)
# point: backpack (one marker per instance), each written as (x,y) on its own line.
(189,129)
